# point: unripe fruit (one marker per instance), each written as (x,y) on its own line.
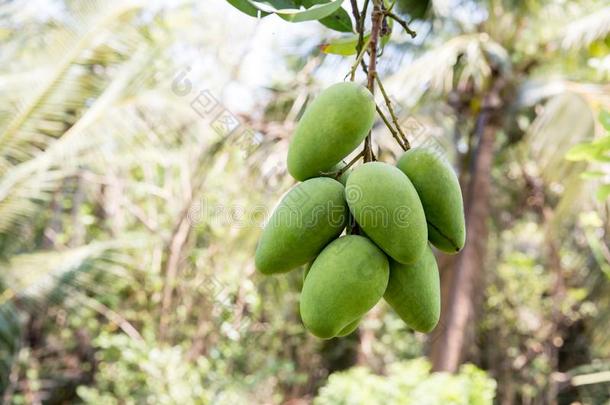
(312,214)
(441,197)
(349,328)
(414,292)
(386,206)
(333,125)
(345,281)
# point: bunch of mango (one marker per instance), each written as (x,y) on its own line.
(392,215)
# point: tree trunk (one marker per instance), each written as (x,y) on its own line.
(462,274)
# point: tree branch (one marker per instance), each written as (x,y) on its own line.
(402,23)
(388,103)
(376,19)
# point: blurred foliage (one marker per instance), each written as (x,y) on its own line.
(408,383)
(128,218)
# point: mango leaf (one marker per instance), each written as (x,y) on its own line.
(245,7)
(604,118)
(277,4)
(592,174)
(386,38)
(340,20)
(283,10)
(603,192)
(344,46)
(582,151)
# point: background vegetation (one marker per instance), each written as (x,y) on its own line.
(143,142)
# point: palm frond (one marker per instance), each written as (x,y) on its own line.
(69,85)
(435,71)
(580,33)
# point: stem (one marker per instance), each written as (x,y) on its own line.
(360,28)
(355,12)
(392,130)
(376,18)
(402,23)
(388,103)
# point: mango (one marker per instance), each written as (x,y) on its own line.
(332,126)
(439,191)
(349,328)
(414,292)
(386,206)
(345,281)
(310,215)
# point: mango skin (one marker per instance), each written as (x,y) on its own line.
(312,214)
(441,196)
(333,125)
(349,328)
(345,281)
(414,292)
(386,206)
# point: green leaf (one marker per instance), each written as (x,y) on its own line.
(582,151)
(603,192)
(246,7)
(338,21)
(604,118)
(344,46)
(317,12)
(386,38)
(278,4)
(592,174)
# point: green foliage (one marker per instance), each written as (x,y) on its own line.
(416,9)
(345,46)
(327,12)
(408,382)
(131,369)
(595,152)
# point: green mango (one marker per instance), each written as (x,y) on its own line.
(345,281)
(312,214)
(349,328)
(333,125)
(440,194)
(386,206)
(414,292)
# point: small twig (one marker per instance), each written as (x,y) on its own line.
(388,103)
(339,173)
(360,28)
(392,130)
(376,17)
(355,12)
(350,164)
(402,23)
(359,60)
